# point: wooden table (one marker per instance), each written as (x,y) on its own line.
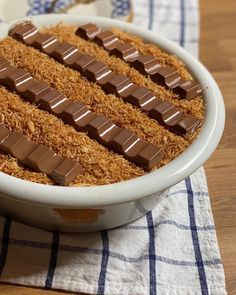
(217,52)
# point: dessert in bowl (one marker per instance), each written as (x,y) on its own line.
(127,115)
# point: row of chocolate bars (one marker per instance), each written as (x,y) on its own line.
(78,115)
(147,65)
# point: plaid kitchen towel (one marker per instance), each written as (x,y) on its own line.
(171,250)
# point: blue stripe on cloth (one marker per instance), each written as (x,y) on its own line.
(104,262)
(169,7)
(184,191)
(152,254)
(151,14)
(190,41)
(68,248)
(169,222)
(175,23)
(182,20)
(53,261)
(196,245)
(5,243)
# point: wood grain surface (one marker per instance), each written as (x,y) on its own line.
(218,53)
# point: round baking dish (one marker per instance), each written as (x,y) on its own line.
(99,207)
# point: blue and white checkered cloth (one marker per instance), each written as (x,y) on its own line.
(171,251)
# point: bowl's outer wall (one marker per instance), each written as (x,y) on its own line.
(77,219)
(117,202)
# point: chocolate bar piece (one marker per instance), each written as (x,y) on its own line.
(25,32)
(17,145)
(66,171)
(34,91)
(81,118)
(168,115)
(149,155)
(187,89)
(165,76)
(46,43)
(99,127)
(5,69)
(38,157)
(53,101)
(118,85)
(88,31)
(65,53)
(96,71)
(82,62)
(145,64)
(16,79)
(121,85)
(106,39)
(73,113)
(125,51)
(142,98)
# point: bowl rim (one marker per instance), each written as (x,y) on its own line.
(131,190)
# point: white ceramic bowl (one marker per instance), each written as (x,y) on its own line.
(99,207)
